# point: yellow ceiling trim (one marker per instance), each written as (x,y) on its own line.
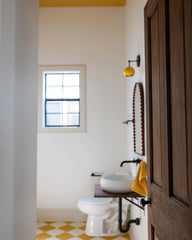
(82,3)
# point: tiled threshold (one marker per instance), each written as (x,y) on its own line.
(69,230)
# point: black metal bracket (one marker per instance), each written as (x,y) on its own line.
(126,229)
(135,203)
(137,161)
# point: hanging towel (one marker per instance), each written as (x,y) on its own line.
(140,183)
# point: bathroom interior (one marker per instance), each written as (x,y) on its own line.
(103,39)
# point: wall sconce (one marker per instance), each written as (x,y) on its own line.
(130,71)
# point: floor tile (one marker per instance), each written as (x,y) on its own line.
(69,231)
(98,238)
(58,224)
(41,224)
(47,228)
(85,237)
(78,224)
(64,236)
(83,227)
(38,231)
(110,238)
(43,236)
(55,232)
(67,228)
(53,238)
(76,232)
(75,238)
(125,236)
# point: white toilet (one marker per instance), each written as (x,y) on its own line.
(102,217)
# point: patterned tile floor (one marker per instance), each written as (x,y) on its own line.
(69,230)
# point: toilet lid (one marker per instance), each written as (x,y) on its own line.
(95,201)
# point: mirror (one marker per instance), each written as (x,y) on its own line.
(138,119)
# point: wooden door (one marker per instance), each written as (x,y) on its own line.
(168,46)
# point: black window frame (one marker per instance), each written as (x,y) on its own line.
(60,100)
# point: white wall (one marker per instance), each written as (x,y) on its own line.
(7,118)
(94,37)
(26,59)
(18,74)
(134,38)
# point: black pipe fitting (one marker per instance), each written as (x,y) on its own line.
(126,229)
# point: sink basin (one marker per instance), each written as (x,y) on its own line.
(117,183)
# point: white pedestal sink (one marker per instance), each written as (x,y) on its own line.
(117,182)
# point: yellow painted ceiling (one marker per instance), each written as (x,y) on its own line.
(81,3)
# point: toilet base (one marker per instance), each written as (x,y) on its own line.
(97,227)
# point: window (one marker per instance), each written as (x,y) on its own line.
(62,98)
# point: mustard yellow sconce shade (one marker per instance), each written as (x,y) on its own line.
(130,71)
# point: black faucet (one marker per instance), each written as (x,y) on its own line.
(137,161)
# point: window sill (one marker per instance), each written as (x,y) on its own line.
(61,130)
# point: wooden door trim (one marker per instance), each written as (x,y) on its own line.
(188,72)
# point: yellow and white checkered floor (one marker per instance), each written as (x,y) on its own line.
(69,230)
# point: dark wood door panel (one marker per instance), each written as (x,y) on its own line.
(171,220)
(178,163)
(157,89)
(168,48)
(156,108)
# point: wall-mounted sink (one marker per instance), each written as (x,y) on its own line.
(117,183)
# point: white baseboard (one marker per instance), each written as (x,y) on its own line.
(60,215)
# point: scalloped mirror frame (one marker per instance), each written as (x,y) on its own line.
(138,119)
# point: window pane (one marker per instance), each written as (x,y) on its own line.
(54,92)
(53,119)
(53,79)
(71,107)
(71,79)
(71,92)
(62,120)
(71,119)
(54,106)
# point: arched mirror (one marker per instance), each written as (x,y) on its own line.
(138,119)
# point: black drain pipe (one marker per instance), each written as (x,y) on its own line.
(126,229)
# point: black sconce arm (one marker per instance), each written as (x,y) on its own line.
(138,61)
